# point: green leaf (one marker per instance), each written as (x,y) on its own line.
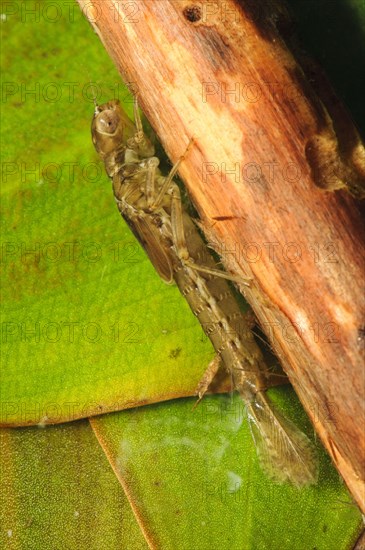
(87,324)
(58,491)
(194,480)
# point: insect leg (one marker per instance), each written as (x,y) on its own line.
(166,184)
(275,379)
(182,251)
(207,379)
(150,188)
(139,142)
(137,116)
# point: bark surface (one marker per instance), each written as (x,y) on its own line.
(266,153)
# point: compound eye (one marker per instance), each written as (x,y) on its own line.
(107,122)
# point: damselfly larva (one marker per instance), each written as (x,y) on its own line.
(151,205)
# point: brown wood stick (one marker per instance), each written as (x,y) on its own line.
(265,156)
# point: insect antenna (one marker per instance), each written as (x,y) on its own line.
(92,89)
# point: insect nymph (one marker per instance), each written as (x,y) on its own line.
(151,205)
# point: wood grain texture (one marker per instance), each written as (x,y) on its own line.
(264,145)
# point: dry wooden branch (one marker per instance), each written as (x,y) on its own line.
(264,145)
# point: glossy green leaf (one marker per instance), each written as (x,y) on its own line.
(87,324)
(194,479)
(58,491)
